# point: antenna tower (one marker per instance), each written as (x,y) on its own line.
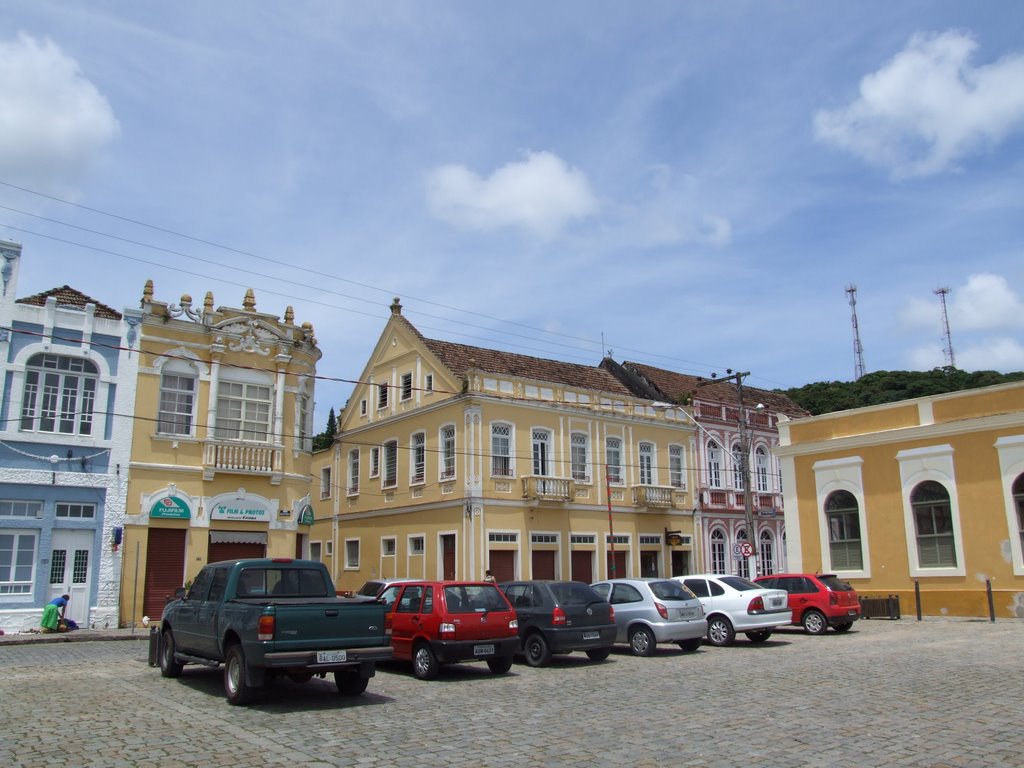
(858,348)
(948,351)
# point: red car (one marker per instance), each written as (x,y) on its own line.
(818,600)
(438,622)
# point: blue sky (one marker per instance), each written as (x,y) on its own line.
(690,185)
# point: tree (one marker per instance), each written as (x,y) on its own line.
(326,438)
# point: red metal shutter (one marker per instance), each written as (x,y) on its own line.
(503,564)
(234,550)
(543,564)
(165,569)
(583,566)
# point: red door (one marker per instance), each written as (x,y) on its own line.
(582,566)
(620,565)
(543,564)
(448,556)
(502,564)
(165,569)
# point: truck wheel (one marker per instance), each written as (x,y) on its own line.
(500,666)
(235,688)
(169,666)
(424,662)
(350,683)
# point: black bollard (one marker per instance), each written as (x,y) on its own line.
(917,598)
(991,605)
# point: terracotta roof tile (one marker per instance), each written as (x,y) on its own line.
(680,387)
(68,297)
(459,358)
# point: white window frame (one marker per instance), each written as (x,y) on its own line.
(508,457)
(353,464)
(240,412)
(842,474)
(930,463)
(676,475)
(579,456)
(173,417)
(10,587)
(325,482)
(351,548)
(542,451)
(418,458)
(47,388)
(387,542)
(647,473)
(761,464)
(389,472)
(375,461)
(737,467)
(714,469)
(717,551)
(613,468)
(382,397)
(417,544)
(405,393)
(428,382)
(447,438)
(1011,466)
(73,510)
(27,508)
(316,551)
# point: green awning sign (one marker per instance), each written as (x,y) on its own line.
(306,515)
(171,507)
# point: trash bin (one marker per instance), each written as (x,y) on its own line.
(154,646)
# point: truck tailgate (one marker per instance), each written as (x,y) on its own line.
(304,625)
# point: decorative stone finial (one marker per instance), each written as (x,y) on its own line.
(208,302)
(186,300)
(249,302)
(147,292)
(396,306)
(289,315)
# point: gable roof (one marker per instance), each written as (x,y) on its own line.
(70,298)
(460,358)
(681,388)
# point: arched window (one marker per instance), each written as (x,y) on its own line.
(1018,501)
(717,551)
(541,452)
(737,467)
(766,554)
(714,468)
(743,564)
(842,516)
(933,521)
(646,455)
(761,463)
(59,395)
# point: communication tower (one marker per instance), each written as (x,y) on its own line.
(858,348)
(948,350)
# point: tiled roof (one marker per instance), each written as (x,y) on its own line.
(69,297)
(459,358)
(679,388)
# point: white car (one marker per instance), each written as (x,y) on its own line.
(733,604)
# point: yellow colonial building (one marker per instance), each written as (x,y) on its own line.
(221,445)
(921,497)
(452,460)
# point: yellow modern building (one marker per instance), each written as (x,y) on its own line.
(452,460)
(922,497)
(221,445)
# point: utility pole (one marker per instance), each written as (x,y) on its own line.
(748,502)
(858,349)
(948,351)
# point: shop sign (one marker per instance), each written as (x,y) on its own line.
(240,510)
(306,515)
(170,507)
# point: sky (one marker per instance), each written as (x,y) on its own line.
(690,185)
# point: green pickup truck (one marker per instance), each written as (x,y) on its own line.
(267,617)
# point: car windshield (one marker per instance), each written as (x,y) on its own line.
(574,593)
(670,590)
(282,582)
(370,589)
(739,583)
(474,598)
(835,583)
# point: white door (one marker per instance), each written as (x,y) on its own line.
(71,571)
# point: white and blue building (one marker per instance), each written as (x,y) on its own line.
(69,372)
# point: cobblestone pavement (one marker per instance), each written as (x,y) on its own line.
(936,693)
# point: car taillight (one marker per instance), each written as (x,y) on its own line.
(513,624)
(611,614)
(558,616)
(265,628)
(662,610)
(447,631)
(757,604)
(833,598)
(387,623)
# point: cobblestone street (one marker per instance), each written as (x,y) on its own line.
(935,693)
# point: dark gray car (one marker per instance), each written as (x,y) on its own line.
(559,617)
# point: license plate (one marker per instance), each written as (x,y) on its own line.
(483,650)
(591,635)
(331,657)
(852,612)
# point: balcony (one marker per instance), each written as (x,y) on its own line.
(243,459)
(659,496)
(543,488)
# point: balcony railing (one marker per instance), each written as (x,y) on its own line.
(242,458)
(545,488)
(652,496)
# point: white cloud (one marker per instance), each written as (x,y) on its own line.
(994,354)
(987,303)
(928,107)
(540,194)
(53,121)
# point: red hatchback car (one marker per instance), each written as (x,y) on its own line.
(818,600)
(437,622)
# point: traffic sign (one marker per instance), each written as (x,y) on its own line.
(746,549)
